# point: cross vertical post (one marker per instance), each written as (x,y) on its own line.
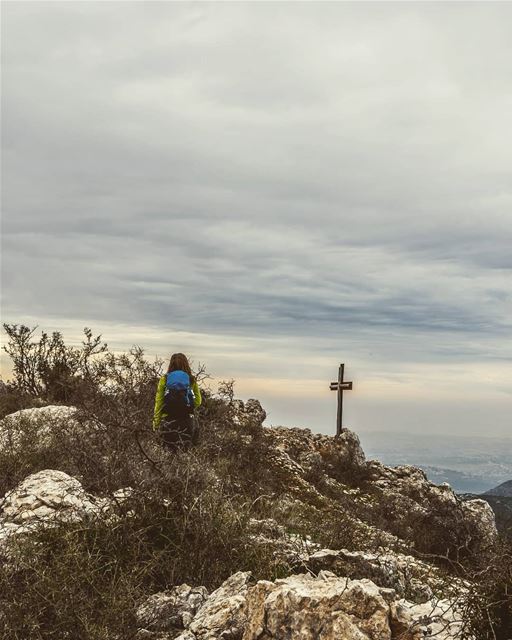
(340,386)
(341,373)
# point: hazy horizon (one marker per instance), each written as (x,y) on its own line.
(272,188)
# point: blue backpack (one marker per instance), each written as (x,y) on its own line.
(178,395)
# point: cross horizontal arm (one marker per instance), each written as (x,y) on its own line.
(344,386)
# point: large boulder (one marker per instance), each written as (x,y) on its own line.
(44,498)
(483,521)
(317,608)
(50,497)
(223,615)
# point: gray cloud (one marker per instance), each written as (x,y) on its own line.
(313,179)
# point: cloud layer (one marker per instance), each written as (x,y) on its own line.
(275,186)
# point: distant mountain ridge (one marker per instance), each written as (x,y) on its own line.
(503,490)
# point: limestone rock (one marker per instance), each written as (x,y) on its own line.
(436,618)
(254,409)
(326,607)
(400,500)
(312,452)
(481,516)
(47,498)
(223,614)
(320,608)
(414,506)
(45,495)
(249,412)
(407,576)
(171,610)
(37,424)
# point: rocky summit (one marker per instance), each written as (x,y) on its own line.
(355,550)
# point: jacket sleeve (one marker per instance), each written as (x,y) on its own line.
(197,395)
(159,403)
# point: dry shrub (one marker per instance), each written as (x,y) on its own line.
(13,399)
(84,580)
(185,520)
(487,606)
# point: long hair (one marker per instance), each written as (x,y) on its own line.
(179,362)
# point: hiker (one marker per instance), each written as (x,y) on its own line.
(177,397)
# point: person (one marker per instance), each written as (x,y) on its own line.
(177,398)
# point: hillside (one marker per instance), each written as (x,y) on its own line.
(254,533)
(257,533)
(504,490)
(502,507)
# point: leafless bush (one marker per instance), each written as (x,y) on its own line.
(487,605)
(84,580)
(48,368)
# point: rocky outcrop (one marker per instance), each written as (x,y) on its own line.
(483,521)
(315,452)
(46,495)
(406,575)
(395,502)
(400,501)
(323,607)
(43,498)
(170,611)
(411,578)
(223,615)
(375,590)
(35,426)
(47,498)
(250,412)
(430,515)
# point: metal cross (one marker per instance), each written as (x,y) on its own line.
(340,386)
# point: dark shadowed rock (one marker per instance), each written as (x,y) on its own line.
(170,611)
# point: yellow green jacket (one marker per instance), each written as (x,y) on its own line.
(159,400)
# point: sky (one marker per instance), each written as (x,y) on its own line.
(273,188)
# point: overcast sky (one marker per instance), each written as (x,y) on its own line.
(273,188)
